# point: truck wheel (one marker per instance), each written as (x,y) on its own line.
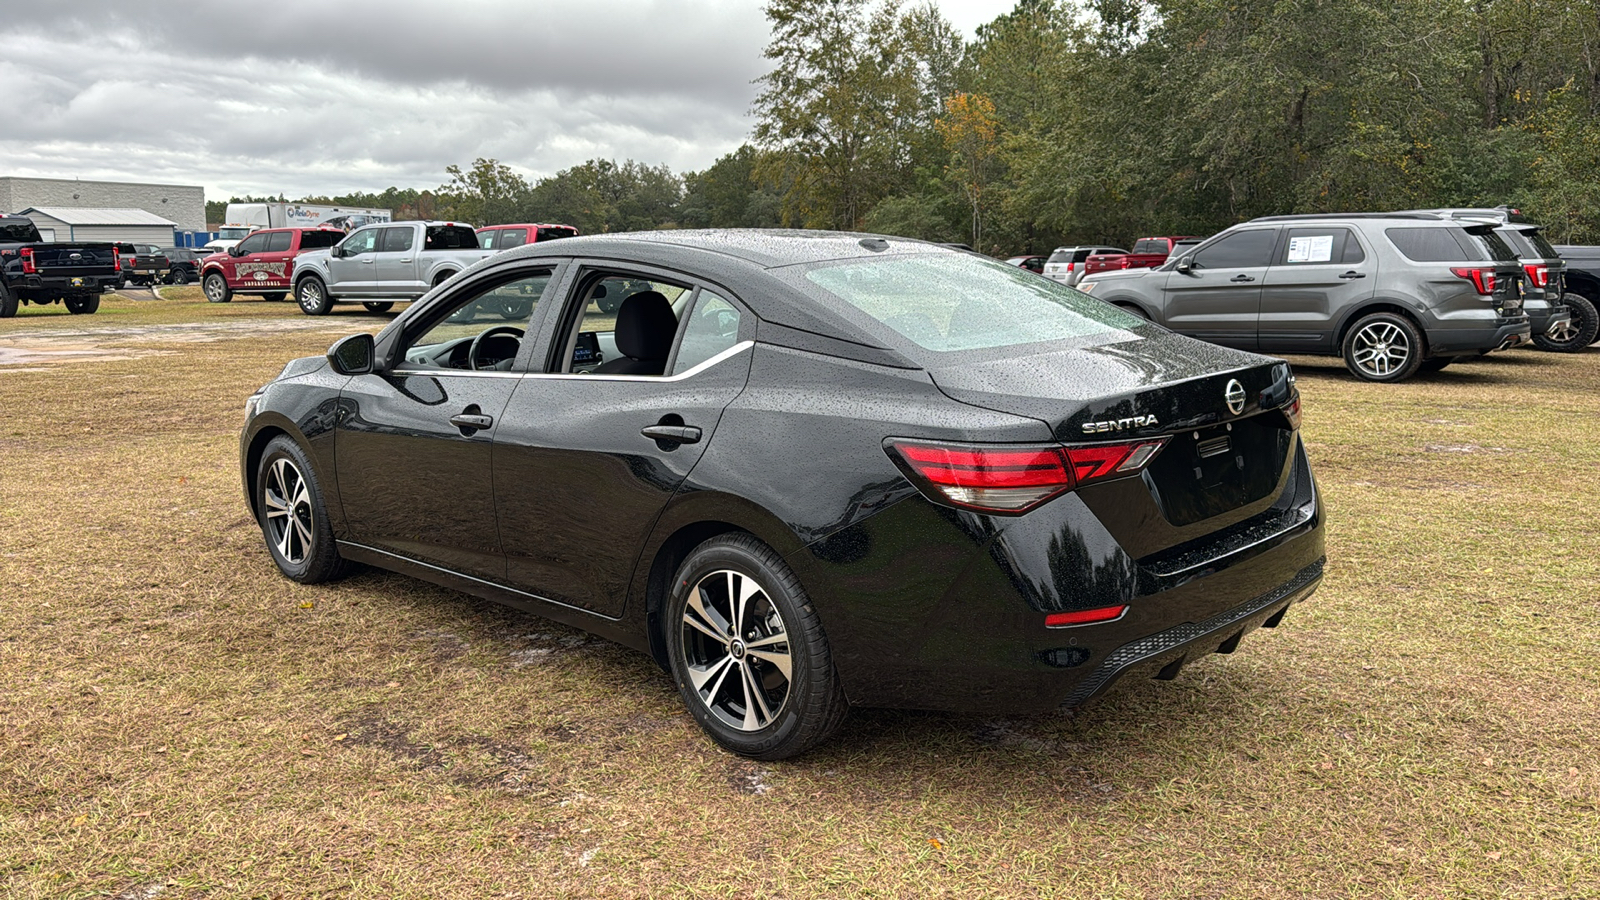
(378,306)
(312,295)
(275,296)
(216,288)
(8,304)
(84,305)
(1383,347)
(1575,335)
(441,278)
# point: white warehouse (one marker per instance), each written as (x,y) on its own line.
(134,226)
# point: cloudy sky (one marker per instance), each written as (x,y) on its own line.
(324,97)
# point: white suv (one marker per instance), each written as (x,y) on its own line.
(1066,263)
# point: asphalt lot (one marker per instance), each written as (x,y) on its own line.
(180,721)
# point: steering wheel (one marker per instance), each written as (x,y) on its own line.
(472,351)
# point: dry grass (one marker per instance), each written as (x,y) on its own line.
(177,718)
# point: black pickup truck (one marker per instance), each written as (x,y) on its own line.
(1582,294)
(33,271)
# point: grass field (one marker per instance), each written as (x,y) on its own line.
(177,720)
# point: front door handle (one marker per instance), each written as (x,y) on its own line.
(1241,279)
(406,259)
(368,261)
(472,421)
(675,434)
(1353,274)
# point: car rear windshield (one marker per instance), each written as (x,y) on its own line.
(1449,244)
(1060,256)
(954,302)
(1151,245)
(1528,243)
(316,240)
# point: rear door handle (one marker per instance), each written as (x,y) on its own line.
(1241,279)
(676,434)
(1353,274)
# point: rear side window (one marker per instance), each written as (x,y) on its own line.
(713,327)
(960,302)
(396,240)
(316,240)
(1240,250)
(451,237)
(1433,245)
(1313,246)
(279,241)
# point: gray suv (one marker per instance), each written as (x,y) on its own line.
(1392,293)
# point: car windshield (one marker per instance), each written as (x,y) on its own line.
(954,302)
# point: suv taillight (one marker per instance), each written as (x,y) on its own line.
(116,259)
(28,268)
(1011,479)
(1538,275)
(1482,278)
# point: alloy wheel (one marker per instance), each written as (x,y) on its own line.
(1381,349)
(736,647)
(1562,331)
(215,288)
(289,514)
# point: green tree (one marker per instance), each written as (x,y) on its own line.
(489,193)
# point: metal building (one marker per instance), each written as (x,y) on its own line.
(132,225)
(183,205)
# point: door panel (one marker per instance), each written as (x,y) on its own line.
(1317,274)
(1219,299)
(355,274)
(411,481)
(397,262)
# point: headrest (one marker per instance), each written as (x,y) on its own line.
(646,326)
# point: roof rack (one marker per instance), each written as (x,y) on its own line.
(1315,217)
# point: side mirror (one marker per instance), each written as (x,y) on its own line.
(235,251)
(352,355)
(337,252)
(1185,265)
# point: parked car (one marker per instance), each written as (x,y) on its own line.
(262,264)
(1582,285)
(183,264)
(1147,253)
(804,472)
(148,264)
(1392,293)
(1034,264)
(1066,264)
(1549,315)
(38,272)
(381,264)
(504,237)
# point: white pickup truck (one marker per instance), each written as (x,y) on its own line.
(379,265)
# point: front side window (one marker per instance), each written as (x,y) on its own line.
(955,302)
(625,326)
(398,239)
(712,327)
(363,241)
(1240,250)
(483,331)
(255,243)
(486,239)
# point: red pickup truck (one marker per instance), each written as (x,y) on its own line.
(1147,254)
(263,263)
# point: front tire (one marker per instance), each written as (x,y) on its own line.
(312,295)
(748,651)
(1384,348)
(293,515)
(216,288)
(83,305)
(1577,334)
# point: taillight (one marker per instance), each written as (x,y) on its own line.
(1291,411)
(116,259)
(1482,278)
(1005,478)
(1070,266)
(1539,275)
(28,268)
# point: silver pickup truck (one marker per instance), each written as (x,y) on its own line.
(379,265)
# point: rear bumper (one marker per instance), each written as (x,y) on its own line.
(63,285)
(1500,333)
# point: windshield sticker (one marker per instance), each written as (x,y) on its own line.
(1311,249)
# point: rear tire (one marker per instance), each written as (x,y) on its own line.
(1384,348)
(312,295)
(8,303)
(293,515)
(748,651)
(180,276)
(1579,334)
(379,306)
(84,305)
(216,288)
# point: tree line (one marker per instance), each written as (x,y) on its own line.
(1070,121)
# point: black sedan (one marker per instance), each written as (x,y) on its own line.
(804,470)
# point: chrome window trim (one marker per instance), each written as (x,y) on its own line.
(729,353)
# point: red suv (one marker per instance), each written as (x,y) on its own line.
(504,237)
(263,263)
